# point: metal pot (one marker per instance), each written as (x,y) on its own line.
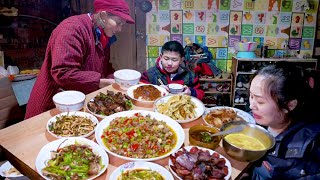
(252,130)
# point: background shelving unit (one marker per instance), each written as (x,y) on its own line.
(220,98)
(243,71)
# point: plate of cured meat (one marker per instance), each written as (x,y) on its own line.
(146,94)
(193,162)
(103,105)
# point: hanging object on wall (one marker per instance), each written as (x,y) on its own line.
(145,6)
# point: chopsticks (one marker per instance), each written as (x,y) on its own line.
(160,81)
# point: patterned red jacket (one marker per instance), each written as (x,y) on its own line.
(184,77)
(73,61)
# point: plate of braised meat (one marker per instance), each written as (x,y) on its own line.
(103,105)
(193,162)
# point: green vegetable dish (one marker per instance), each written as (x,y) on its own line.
(73,162)
(140,174)
(139,137)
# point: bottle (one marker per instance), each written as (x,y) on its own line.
(265,52)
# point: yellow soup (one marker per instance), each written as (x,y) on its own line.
(245,142)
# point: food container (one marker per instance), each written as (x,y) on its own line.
(175,88)
(69,100)
(245,46)
(126,78)
(199,135)
(252,130)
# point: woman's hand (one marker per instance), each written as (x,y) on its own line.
(105,82)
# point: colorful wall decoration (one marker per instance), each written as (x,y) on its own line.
(218,24)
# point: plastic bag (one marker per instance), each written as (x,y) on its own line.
(3,72)
(13,70)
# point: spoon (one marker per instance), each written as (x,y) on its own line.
(229,131)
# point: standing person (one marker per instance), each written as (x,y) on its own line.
(169,69)
(280,99)
(77,55)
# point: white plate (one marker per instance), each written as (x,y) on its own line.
(244,115)
(21,77)
(199,107)
(228,164)
(45,152)
(132,88)
(170,122)
(5,167)
(77,113)
(141,165)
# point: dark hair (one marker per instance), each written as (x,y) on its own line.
(286,82)
(173,46)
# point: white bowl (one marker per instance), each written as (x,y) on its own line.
(245,46)
(77,113)
(175,88)
(126,78)
(141,165)
(69,100)
(45,153)
(159,117)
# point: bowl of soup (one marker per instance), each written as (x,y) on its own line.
(201,135)
(248,145)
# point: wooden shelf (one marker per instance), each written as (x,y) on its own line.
(214,80)
(210,105)
(213,91)
(240,104)
(245,73)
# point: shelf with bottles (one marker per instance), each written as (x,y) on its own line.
(211,100)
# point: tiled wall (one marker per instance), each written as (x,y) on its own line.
(219,23)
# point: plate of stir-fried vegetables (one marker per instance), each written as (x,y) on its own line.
(139,135)
(72,124)
(71,158)
(141,171)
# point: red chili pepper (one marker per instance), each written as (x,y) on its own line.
(102,136)
(130,133)
(134,147)
(110,140)
(136,114)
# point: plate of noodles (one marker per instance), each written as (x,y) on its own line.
(146,92)
(72,124)
(182,108)
(220,115)
(141,170)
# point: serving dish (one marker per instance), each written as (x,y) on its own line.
(73,125)
(116,174)
(106,122)
(227,164)
(7,170)
(111,102)
(200,135)
(45,153)
(239,149)
(174,106)
(130,93)
(240,113)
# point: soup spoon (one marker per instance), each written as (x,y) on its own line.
(229,131)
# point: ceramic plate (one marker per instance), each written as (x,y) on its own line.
(244,115)
(21,77)
(132,88)
(141,165)
(170,122)
(199,107)
(228,164)
(6,170)
(45,153)
(99,115)
(77,113)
